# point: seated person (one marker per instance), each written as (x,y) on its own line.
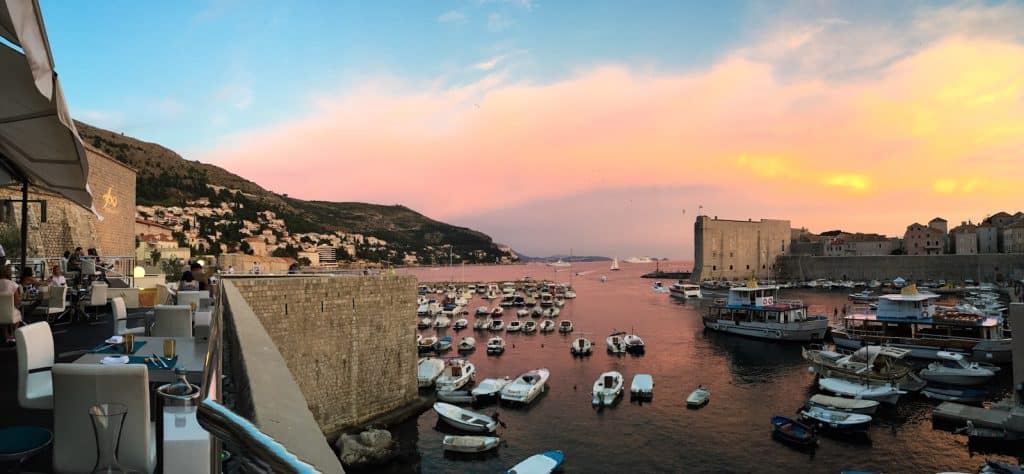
(57,277)
(75,260)
(200,276)
(29,280)
(188,282)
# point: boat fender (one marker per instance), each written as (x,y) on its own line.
(778,333)
(924,314)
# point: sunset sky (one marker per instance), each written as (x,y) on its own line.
(597,126)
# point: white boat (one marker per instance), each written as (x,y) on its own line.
(642,387)
(426,344)
(470,444)
(427,371)
(442,322)
(482,323)
(952,369)
(615,343)
(543,463)
(522,313)
(698,397)
(865,407)
(559,303)
(682,290)
(461,323)
(569,293)
(639,260)
(497,311)
(490,387)
(467,344)
(615,265)
(581,346)
(560,263)
(607,388)
(547,325)
(546,299)
(565,326)
(754,310)
(496,325)
(835,419)
(530,327)
(493,292)
(465,420)
(634,343)
(423,309)
(536,312)
(425,323)
(513,326)
(884,393)
(495,345)
(457,373)
(526,387)
(482,311)
(455,396)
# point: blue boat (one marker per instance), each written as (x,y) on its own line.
(793,432)
(443,344)
(542,463)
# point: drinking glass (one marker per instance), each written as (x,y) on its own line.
(107,421)
(169,348)
(129,343)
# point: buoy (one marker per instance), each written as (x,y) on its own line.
(810,369)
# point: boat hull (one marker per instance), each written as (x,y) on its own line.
(953,379)
(470,444)
(798,332)
(998,352)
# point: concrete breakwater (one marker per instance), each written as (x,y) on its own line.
(981,267)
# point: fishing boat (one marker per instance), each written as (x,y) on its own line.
(615,265)
(461,323)
(607,388)
(464,419)
(565,326)
(482,323)
(953,369)
(425,323)
(442,322)
(680,290)
(543,463)
(467,344)
(911,320)
(698,397)
(877,364)
(642,387)
(793,432)
(526,387)
(864,407)
(615,343)
(547,325)
(496,325)
(835,419)
(522,313)
(495,345)
(580,347)
(427,371)
(482,311)
(470,444)
(754,310)
(970,396)
(490,388)
(530,327)
(427,344)
(884,392)
(634,344)
(443,344)
(514,326)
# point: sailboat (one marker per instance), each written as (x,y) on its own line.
(615,264)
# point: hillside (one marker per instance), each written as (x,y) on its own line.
(165,178)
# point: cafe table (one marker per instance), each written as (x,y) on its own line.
(191,356)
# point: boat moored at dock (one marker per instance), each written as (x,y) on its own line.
(756,311)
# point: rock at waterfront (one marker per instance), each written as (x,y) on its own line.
(369,448)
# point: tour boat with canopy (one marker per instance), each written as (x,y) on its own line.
(756,311)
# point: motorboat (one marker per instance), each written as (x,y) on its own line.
(615,342)
(522,313)
(427,344)
(684,291)
(496,325)
(952,369)
(754,310)
(507,299)
(451,310)
(565,326)
(434,308)
(526,387)
(457,373)
(518,300)
(492,292)
(835,419)
(884,392)
(657,287)
(482,311)
(865,296)
(634,344)
(427,371)
(513,326)
(482,323)
(559,302)
(569,293)
(607,388)
(442,322)
(455,396)
(422,309)
(543,463)
(793,432)
(698,397)
(536,312)
(530,300)
(490,387)
(580,347)
(642,387)
(547,325)
(971,396)
(467,344)
(530,327)
(546,299)
(864,407)
(469,444)
(495,345)
(464,419)
(461,323)
(425,323)
(443,344)
(497,312)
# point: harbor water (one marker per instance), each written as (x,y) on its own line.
(750,381)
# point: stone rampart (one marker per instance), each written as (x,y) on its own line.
(980,267)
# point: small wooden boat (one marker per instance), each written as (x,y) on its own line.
(483,311)
(497,311)
(513,326)
(530,327)
(482,324)
(547,326)
(615,343)
(465,420)
(864,407)
(461,323)
(642,387)
(470,444)
(496,325)
(536,312)
(443,344)
(793,432)
(427,344)
(835,419)
(467,344)
(565,326)
(457,373)
(580,347)
(607,388)
(634,344)
(495,346)
(455,396)
(884,393)
(427,371)
(425,323)
(522,313)
(698,397)
(543,463)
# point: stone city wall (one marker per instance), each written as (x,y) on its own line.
(348,341)
(981,267)
(734,250)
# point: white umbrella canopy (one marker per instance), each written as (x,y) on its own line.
(38,140)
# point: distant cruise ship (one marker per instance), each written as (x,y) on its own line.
(560,263)
(639,260)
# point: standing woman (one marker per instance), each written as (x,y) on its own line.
(9,287)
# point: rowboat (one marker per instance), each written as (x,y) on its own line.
(465,419)
(470,444)
(698,397)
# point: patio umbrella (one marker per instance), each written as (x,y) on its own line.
(38,141)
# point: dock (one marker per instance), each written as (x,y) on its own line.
(958,415)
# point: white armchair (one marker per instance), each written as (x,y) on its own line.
(186,297)
(121,319)
(9,315)
(97,298)
(35,360)
(56,304)
(76,388)
(172,321)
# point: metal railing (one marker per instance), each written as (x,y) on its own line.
(117,267)
(257,451)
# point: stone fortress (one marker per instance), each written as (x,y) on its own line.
(734,250)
